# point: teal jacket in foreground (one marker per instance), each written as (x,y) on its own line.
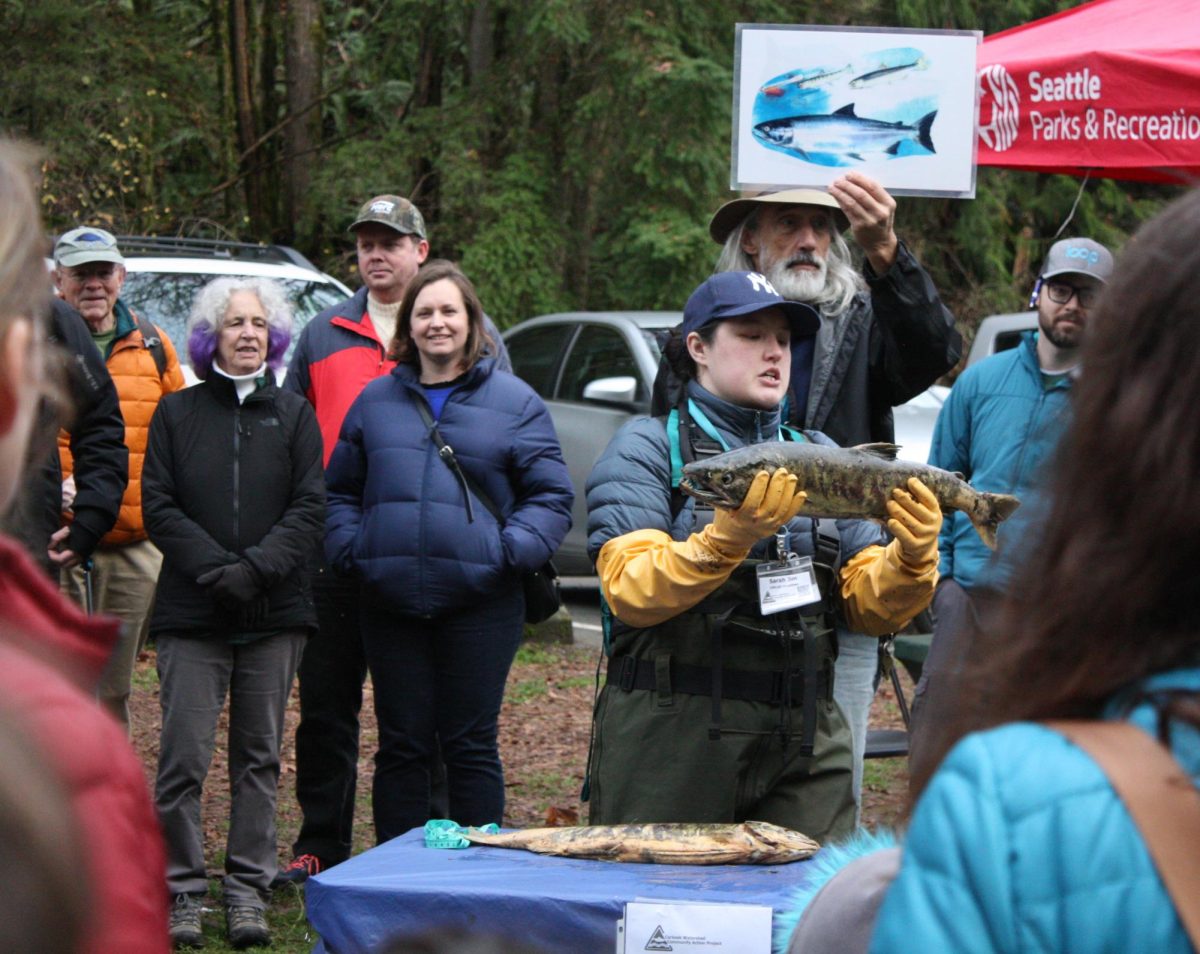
(1020,844)
(997,428)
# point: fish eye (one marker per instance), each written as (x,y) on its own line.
(727,479)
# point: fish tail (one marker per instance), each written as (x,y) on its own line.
(990,511)
(923,129)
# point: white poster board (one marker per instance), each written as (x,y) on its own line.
(811,103)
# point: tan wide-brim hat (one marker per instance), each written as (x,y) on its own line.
(730,215)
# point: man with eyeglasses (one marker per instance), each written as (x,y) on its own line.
(998,427)
(89,272)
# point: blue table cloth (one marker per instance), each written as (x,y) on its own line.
(561,904)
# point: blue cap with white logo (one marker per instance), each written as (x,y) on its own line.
(733,294)
(1079,256)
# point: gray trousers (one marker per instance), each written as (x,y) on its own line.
(195,674)
(936,698)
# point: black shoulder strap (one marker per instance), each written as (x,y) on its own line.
(446,453)
(153,343)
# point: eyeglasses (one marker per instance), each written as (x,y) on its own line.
(83,273)
(1060,293)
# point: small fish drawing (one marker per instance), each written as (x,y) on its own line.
(842,482)
(747,843)
(887,74)
(844,133)
(801,78)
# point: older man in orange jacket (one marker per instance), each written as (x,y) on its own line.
(89,272)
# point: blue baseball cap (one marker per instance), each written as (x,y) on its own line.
(733,294)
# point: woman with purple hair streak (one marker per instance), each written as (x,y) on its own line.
(234,496)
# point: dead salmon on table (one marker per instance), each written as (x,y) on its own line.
(747,843)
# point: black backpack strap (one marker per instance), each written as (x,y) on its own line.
(152,341)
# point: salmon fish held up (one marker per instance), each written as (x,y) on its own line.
(842,482)
(748,843)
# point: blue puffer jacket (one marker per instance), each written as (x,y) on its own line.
(630,486)
(1020,844)
(997,428)
(398,518)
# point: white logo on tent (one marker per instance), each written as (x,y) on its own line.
(1000,131)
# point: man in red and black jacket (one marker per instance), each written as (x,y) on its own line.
(338,354)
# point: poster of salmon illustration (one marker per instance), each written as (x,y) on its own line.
(811,103)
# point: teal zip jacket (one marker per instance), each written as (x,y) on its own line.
(997,428)
(1020,844)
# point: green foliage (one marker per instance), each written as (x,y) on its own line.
(568,152)
(125,115)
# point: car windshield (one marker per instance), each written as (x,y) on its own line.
(166,300)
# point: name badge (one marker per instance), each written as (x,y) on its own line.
(784,586)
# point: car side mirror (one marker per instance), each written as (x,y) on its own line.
(621,389)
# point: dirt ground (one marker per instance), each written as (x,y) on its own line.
(543,739)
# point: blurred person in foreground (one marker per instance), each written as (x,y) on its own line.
(714,711)
(51,654)
(998,427)
(1018,841)
(89,272)
(233,494)
(442,609)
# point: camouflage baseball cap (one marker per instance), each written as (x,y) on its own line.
(87,244)
(395,212)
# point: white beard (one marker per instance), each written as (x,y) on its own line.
(798,284)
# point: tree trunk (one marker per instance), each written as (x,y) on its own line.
(241,60)
(304,33)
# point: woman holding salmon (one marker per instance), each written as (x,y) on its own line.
(717,708)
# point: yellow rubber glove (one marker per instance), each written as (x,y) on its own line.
(915,520)
(771,501)
(647,577)
(885,587)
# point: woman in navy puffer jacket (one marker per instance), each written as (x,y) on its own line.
(442,609)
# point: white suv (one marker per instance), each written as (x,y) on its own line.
(164,274)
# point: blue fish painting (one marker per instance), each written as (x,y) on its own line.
(844,134)
(817,113)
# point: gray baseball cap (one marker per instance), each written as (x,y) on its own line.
(82,245)
(1079,256)
(394,211)
(729,216)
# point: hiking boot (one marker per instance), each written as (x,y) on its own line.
(246,926)
(185,926)
(301,868)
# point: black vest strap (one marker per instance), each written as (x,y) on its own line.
(628,673)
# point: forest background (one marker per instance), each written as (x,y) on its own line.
(568,153)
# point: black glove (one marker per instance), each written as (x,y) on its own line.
(253,614)
(233,585)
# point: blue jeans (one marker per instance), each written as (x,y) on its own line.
(440,679)
(855,678)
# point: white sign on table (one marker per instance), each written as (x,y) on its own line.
(812,103)
(682,926)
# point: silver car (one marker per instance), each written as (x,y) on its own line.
(595,370)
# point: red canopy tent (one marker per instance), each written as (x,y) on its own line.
(1111,87)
